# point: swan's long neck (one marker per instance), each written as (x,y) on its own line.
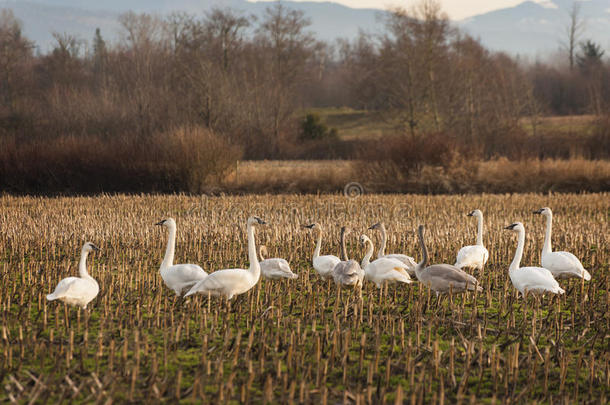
(519,252)
(424,252)
(168,260)
(369,252)
(384,239)
(480,230)
(255,268)
(344,256)
(546,248)
(82,265)
(316,252)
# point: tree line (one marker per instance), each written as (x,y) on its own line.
(181,82)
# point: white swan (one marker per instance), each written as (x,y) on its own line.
(383,269)
(178,277)
(560,264)
(324,265)
(474,256)
(536,280)
(407,260)
(78,290)
(442,278)
(231,282)
(275,268)
(347,273)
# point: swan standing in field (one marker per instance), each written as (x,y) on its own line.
(347,273)
(383,269)
(474,256)
(560,264)
(407,260)
(275,268)
(231,282)
(536,280)
(178,277)
(78,290)
(324,265)
(442,278)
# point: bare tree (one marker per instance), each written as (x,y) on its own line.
(225,28)
(14,51)
(574,30)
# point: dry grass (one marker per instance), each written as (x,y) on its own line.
(289,176)
(494,176)
(296,341)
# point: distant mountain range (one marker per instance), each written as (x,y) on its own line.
(529,28)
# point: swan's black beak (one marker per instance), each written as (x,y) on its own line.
(539,211)
(160,222)
(308,226)
(471,213)
(510,227)
(260,221)
(94,247)
(374,226)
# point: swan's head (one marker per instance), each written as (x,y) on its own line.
(546,211)
(364,240)
(376,226)
(167,222)
(475,213)
(515,227)
(255,221)
(90,247)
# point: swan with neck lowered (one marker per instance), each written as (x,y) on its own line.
(560,264)
(231,282)
(474,256)
(347,273)
(323,265)
(407,260)
(275,268)
(178,277)
(442,278)
(78,290)
(535,280)
(383,269)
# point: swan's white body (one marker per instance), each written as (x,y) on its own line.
(383,269)
(232,282)
(347,273)
(323,265)
(474,256)
(274,268)
(178,277)
(535,280)
(442,278)
(407,260)
(560,264)
(78,290)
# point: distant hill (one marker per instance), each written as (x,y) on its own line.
(538,28)
(529,28)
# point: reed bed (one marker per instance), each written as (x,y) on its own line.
(297,341)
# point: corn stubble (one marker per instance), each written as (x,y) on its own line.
(297,341)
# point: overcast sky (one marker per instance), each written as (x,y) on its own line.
(456,9)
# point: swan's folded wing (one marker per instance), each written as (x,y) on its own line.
(65,287)
(407,260)
(530,278)
(190,271)
(446,273)
(219,280)
(562,261)
(471,256)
